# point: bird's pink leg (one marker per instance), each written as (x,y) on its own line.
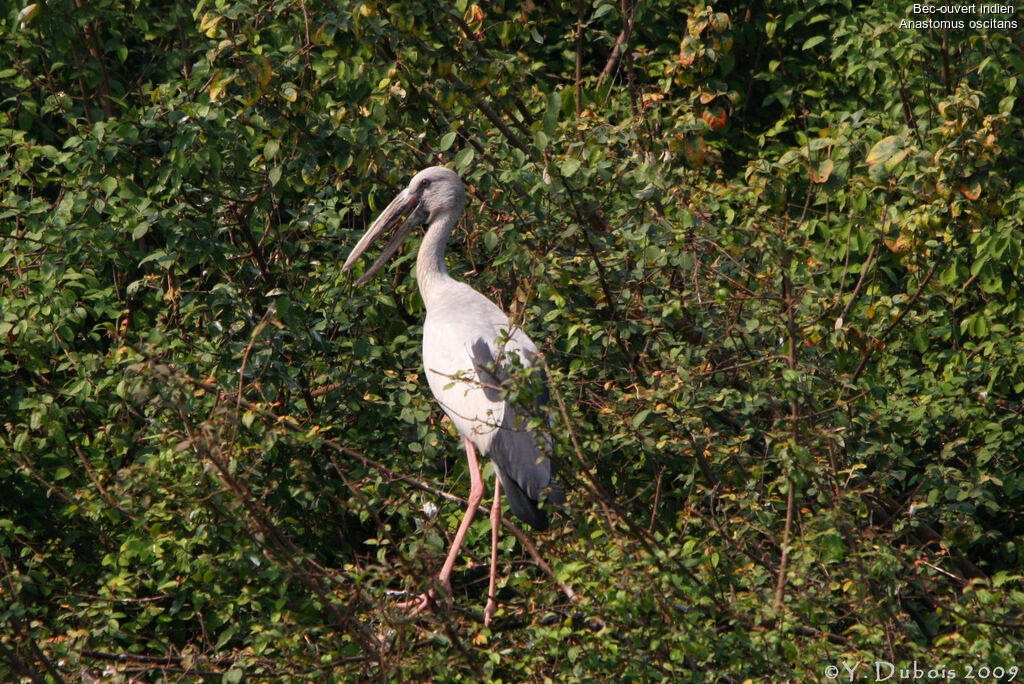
(476,494)
(492,605)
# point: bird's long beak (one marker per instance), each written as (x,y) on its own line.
(406,204)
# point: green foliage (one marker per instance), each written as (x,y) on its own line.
(772,254)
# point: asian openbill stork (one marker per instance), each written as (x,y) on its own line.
(469,352)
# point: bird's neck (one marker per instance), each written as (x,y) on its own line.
(431,273)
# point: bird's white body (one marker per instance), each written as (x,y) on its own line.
(455,323)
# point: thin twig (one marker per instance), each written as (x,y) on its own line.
(896,321)
(620,45)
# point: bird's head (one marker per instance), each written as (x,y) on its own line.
(434,191)
(439,189)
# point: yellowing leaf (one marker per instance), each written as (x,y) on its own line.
(218,83)
(882,150)
(209,19)
(823,171)
(263,71)
(971,189)
(208,24)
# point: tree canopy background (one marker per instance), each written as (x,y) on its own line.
(772,251)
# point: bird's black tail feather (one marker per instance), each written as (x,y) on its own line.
(525,508)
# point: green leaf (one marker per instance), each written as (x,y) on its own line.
(541,139)
(920,339)
(551,114)
(270,149)
(812,41)
(639,418)
(885,148)
(225,636)
(570,166)
(464,158)
(447,140)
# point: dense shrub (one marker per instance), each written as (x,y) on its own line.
(772,253)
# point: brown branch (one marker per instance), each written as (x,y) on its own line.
(890,509)
(596,221)
(103,88)
(792,332)
(257,252)
(620,45)
(90,471)
(509,134)
(947,80)
(860,281)
(469,33)
(896,321)
(780,586)
(908,108)
(578,77)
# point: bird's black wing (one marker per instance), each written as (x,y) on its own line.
(519,455)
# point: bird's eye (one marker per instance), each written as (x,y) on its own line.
(424,184)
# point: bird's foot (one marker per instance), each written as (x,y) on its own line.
(425,601)
(415,606)
(489,610)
